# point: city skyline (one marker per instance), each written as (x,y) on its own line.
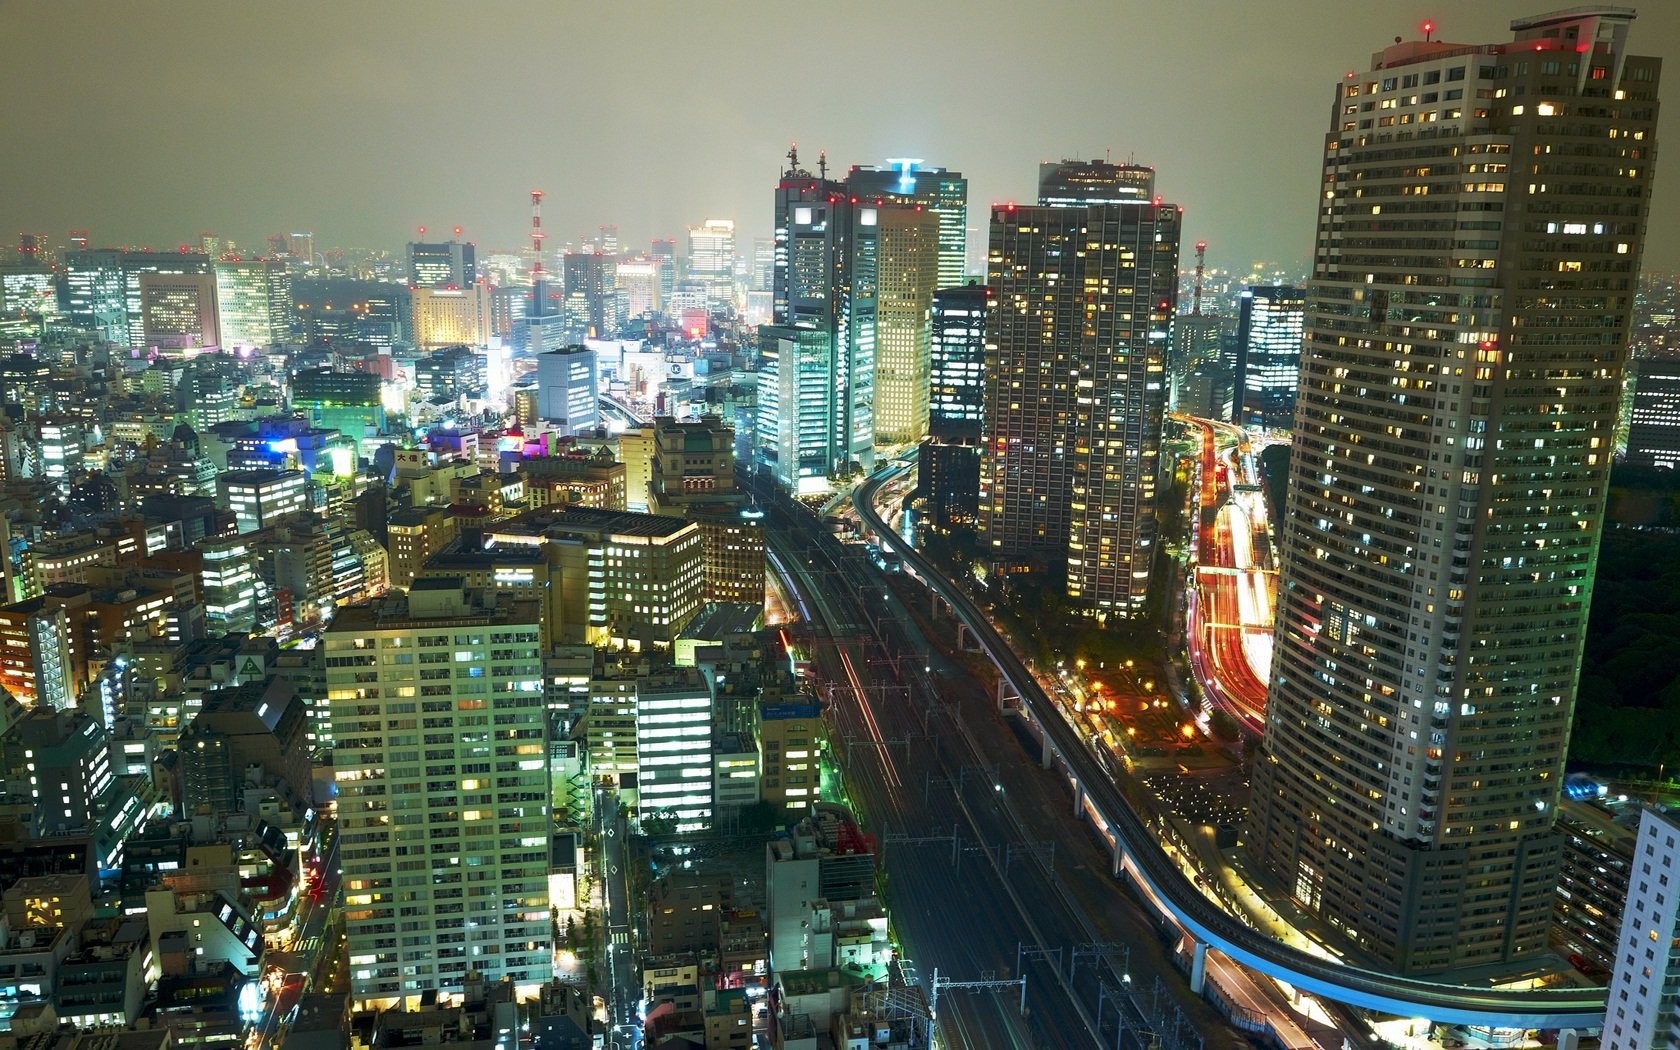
(213,137)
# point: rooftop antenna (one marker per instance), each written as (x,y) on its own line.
(1201,262)
(822,164)
(793,158)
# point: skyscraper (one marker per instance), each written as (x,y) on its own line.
(945,193)
(254,299)
(711,257)
(443,264)
(948,468)
(568,389)
(664,252)
(824,310)
(94,292)
(1454,424)
(907,267)
(1075,379)
(1269,325)
(590,281)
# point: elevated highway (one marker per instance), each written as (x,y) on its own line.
(1137,855)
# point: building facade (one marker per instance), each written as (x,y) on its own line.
(1270,323)
(907,269)
(1075,380)
(440,757)
(1453,433)
(1654,427)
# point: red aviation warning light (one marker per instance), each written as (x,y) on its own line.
(422,231)
(1428,30)
(457,231)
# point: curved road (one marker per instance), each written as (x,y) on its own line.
(1206,922)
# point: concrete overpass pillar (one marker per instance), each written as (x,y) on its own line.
(1198,968)
(1046,757)
(1569,1039)
(1078,799)
(1116,859)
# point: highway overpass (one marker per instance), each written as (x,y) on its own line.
(1137,853)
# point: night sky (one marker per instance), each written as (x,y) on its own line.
(147,122)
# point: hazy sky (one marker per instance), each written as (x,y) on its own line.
(148,122)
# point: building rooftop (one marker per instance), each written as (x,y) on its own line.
(718,620)
(563,520)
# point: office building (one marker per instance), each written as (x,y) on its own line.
(664,252)
(228,578)
(442,264)
(1453,432)
(632,581)
(178,311)
(254,300)
(569,389)
(711,258)
(1654,425)
(1075,380)
(674,749)
(790,738)
(1270,323)
(446,828)
(260,498)
(137,264)
(60,452)
(94,292)
(638,284)
(452,372)
(907,269)
(815,415)
(451,316)
(948,466)
(349,402)
(590,304)
(1643,1005)
(693,477)
(942,192)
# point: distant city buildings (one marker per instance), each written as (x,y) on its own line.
(1270,324)
(1654,427)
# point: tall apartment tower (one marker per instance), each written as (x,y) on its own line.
(1654,424)
(948,468)
(1085,286)
(1270,319)
(1644,1003)
(1481,218)
(440,749)
(945,193)
(907,272)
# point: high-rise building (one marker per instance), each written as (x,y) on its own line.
(1643,1008)
(178,311)
(945,193)
(569,389)
(1085,289)
(824,309)
(95,296)
(664,252)
(907,270)
(763,263)
(1453,433)
(447,838)
(451,316)
(254,299)
(344,401)
(692,475)
(1270,322)
(137,264)
(638,283)
(711,257)
(1654,426)
(948,468)
(590,303)
(443,264)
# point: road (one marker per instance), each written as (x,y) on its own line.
(1178,896)
(920,744)
(622,991)
(1229,608)
(303,963)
